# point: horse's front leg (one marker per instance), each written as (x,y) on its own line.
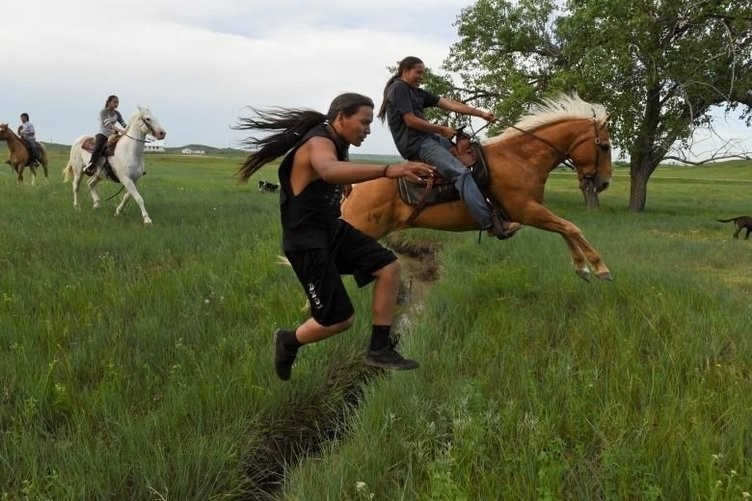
(92,182)
(130,187)
(581,250)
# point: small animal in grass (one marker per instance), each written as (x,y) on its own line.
(741,223)
(267,186)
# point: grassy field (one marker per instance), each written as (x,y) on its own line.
(135,362)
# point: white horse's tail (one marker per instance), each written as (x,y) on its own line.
(74,159)
(282,260)
(68,172)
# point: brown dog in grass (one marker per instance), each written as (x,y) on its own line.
(741,222)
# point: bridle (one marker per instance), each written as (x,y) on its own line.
(148,126)
(565,157)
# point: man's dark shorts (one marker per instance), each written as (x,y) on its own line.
(351,253)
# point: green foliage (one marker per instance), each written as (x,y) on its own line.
(659,67)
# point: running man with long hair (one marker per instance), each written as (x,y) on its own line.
(319,245)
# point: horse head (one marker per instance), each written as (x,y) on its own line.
(4,131)
(147,123)
(574,132)
(590,154)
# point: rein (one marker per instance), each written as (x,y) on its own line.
(564,157)
(148,126)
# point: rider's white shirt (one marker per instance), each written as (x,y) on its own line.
(27,131)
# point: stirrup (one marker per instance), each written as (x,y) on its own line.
(498,230)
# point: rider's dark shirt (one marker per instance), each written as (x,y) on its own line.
(310,219)
(402,98)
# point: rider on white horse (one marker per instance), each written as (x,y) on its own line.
(110,122)
(127,160)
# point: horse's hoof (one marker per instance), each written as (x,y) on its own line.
(606,275)
(584,274)
(147,220)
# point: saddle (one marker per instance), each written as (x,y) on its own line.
(109,148)
(440,190)
(31,159)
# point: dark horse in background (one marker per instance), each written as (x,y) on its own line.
(19,155)
(519,162)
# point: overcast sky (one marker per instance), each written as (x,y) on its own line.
(196,64)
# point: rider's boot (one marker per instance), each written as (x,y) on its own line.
(501,228)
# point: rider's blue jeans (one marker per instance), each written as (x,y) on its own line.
(434,151)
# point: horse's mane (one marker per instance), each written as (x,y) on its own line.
(11,131)
(140,110)
(552,110)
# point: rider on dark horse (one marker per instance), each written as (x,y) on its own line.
(28,134)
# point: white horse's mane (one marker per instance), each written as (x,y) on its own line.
(140,110)
(552,110)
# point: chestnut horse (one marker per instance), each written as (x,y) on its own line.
(19,154)
(519,162)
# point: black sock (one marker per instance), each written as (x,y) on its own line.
(380,336)
(290,340)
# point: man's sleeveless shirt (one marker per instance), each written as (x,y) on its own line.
(310,219)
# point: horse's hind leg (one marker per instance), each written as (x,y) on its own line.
(93,181)
(121,205)
(75,184)
(130,187)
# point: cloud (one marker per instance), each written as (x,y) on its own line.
(197,65)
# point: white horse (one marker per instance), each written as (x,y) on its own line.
(127,162)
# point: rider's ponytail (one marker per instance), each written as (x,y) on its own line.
(408,63)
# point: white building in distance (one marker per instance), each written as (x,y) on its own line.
(154,147)
(189,151)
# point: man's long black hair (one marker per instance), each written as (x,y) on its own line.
(292,124)
(408,63)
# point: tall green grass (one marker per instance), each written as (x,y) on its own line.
(135,362)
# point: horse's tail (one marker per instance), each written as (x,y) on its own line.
(73,159)
(67,172)
(727,220)
(282,260)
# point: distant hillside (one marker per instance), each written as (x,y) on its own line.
(376,159)
(210,150)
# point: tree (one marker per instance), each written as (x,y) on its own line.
(659,66)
